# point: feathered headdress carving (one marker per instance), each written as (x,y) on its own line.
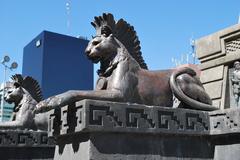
(123,31)
(30,84)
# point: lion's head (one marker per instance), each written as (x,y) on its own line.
(112,35)
(23,86)
(14,94)
(101,48)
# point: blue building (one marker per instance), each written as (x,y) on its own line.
(58,63)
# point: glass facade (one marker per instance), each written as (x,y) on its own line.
(7,108)
(58,63)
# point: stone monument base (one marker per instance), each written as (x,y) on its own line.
(120,146)
(27,145)
(100,130)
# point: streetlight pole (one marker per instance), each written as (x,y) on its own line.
(14,65)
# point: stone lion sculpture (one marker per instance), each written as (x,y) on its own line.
(25,93)
(124,76)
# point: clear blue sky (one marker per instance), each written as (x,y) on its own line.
(164,27)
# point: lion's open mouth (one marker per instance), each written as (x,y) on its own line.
(9,101)
(95,59)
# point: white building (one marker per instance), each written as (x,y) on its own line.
(7,108)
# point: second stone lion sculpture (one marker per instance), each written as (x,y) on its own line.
(25,93)
(124,76)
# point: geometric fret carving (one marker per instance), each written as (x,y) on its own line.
(168,120)
(194,122)
(136,118)
(98,115)
(225,122)
(25,138)
(103,116)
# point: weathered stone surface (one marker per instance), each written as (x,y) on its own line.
(226,147)
(212,74)
(26,145)
(24,138)
(217,52)
(225,121)
(212,44)
(220,61)
(214,89)
(119,146)
(208,45)
(216,102)
(103,130)
(102,116)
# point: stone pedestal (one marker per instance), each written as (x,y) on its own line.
(130,146)
(103,130)
(29,145)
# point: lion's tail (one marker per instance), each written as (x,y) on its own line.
(194,104)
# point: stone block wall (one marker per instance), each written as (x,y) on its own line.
(217,53)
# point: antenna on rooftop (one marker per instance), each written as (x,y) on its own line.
(239,18)
(193,53)
(186,58)
(68,11)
